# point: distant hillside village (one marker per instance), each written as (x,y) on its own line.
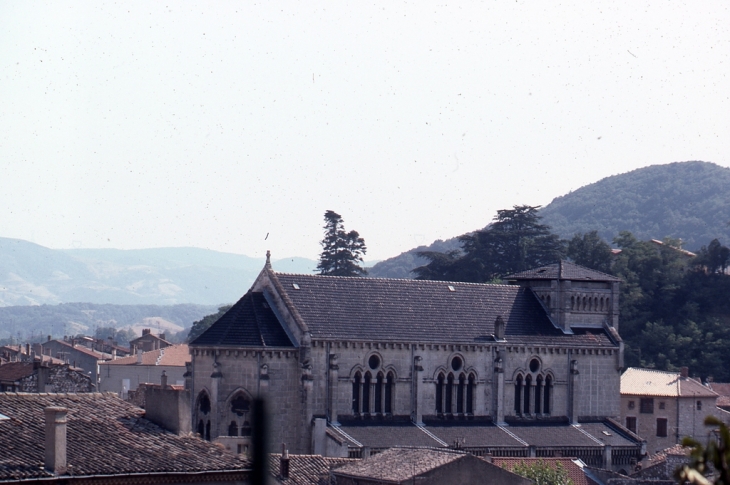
(362,380)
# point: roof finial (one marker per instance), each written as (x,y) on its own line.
(268,258)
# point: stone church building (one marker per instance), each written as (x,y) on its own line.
(353,366)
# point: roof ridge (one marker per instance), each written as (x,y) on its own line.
(413,280)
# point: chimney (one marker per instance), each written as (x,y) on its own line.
(49,338)
(56,440)
(162,336)
(145,331)
(284,462)
(684,372)
(139,356)
(114,354)
(499,328)
(163,380)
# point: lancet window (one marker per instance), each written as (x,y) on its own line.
(373,392)
(455,394)
(533,392)
(239,407)
(202,408)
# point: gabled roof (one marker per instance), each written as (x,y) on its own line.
(398,464)
(105,436)
(174,355)
(81,348)
(12,371)
(249,323)
(379,309)
(572,466)
(563,270)
(306,469)
(649,382)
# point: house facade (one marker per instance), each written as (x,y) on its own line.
(350,366)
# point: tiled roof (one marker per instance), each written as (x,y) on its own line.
(378,309)
(571,466)
(84,350)
(484,435)
(723,389)
(174,355)
(398,464)
(105,436)
(649,382)
(12,371)
(564,270)
(250,322)
(306,469)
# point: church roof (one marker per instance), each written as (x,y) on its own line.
(249,323)
(562,270)
(379,309)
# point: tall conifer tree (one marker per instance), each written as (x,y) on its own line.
(342,251)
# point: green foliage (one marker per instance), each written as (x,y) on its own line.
(714,459)
(714,258)
(204,323)
(515,241)
(543,473)
(688,200)
(342,251)
(591,251)
(122,337)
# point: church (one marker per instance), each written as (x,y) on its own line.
(353,366)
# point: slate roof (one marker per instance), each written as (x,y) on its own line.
(174,356)
(379,309)
(398,464)
(105,436)
(649,382)
(249,323)
(563,270)
(587,435)
(572,466)
(306,469)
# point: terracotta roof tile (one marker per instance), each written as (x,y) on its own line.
(12,371)
(306,469)
(105,436)
(571,465)
(649,382)
(398,464)
(174,355)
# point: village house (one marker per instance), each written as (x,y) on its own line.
(148,342)
(127,374)
(43,376)
(353,366)
(77,353)
(98,438)
(664,407)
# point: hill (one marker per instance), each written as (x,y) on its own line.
(34,275)
(686,200)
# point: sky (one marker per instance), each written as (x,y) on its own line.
(235,126)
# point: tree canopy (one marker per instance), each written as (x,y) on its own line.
(342,251)
(543,473)
(514,241)
(204,323)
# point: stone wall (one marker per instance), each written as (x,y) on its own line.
(58,378)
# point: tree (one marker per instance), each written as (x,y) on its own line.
(342,251)
(715,257)
(515,241)
(543,473)
(715,458)
(591,251)
(204,323)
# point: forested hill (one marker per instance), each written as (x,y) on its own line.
(687,200)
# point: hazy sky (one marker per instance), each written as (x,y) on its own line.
(213,124)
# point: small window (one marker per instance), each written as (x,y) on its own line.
(661,427)
(534,365)
(661,404)
(374,362)
(632,404)
(647,405)
(456,363)
(631,423)
(699,405)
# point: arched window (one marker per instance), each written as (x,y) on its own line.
(207,431)
(528,388)
(379,393)
(389,384)
(518,394)
(440,394)
(470,392)
(233,429)
(449,393)
(246,429)
(356,384)
(538,395)
(546,395)
(584,303)
(202,408)
(572,302)
(201,428)
(460,390)
(366,393)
